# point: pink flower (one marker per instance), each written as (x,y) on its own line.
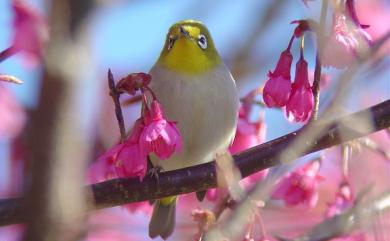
(300,186)
(377,14)
(350,9)
(159,135)
(12,114)
(346,41)
(31,30)
(343,200)
(339,50)
(301,101)
(129,161)
(277,88)
(122,160)
(103,168)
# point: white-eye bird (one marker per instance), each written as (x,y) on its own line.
(197,90)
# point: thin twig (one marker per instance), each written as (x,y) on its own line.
(10,79)
(202,177)
(317,70)
(6,53)
(118,110)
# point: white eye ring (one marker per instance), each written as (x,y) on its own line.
(202,41)
(171,41)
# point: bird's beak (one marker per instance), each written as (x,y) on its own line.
(184,32)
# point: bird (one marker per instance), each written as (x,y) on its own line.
(197,90)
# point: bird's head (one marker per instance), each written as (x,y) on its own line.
(189,49)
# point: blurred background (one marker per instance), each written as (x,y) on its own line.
(127,36)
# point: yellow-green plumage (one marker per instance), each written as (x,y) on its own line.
(196,90)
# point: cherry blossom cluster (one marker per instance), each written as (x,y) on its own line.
(151,133)
(345,43)
(297,97)
(347,40)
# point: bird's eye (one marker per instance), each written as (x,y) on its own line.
(202,41)
(171,41)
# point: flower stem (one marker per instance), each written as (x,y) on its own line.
(6,53)
(290,43)
(263,231)
(151,92)
(317,70)
(118,110)
(132,100)
(302,46)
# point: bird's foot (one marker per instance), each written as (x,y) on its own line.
(155,171)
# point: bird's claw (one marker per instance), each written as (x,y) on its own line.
(155,171)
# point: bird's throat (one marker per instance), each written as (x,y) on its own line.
(186,57)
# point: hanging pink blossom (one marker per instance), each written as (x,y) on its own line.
(301,102)
(159,135)
(103,168)
(130,162)
(122,160)
(346,42)
(300,186)
(277,88)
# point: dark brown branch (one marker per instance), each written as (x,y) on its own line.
(202,177)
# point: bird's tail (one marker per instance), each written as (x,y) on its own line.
(163,218)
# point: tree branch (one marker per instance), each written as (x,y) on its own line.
(317,70)
(202,177)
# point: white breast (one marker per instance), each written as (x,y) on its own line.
(206,109)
